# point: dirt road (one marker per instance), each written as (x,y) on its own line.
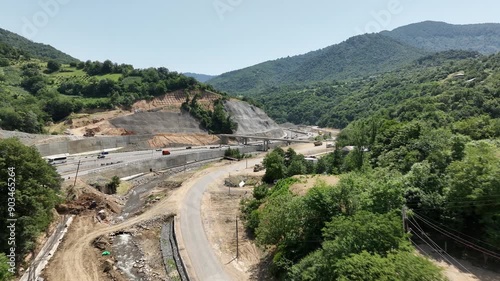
(76,260)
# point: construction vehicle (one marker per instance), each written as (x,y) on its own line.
(89,133)
(258,167)
(318,143)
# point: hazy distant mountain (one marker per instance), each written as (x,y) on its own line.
(200,77)
(440,36)
(358,56)
(37,50)
(362,55)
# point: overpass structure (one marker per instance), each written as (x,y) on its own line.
(244,139)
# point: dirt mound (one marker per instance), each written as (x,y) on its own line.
(307,182)
(168,140)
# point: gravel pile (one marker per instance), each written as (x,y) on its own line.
(252,120)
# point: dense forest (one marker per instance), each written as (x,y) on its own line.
(361,56)
(35,186)
(35,50)
(425,142)
(356,57)
(452,86)
(441,36)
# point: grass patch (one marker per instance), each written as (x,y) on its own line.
(12,75)
(123,188)
(115,77)
(69,72)
(131,79)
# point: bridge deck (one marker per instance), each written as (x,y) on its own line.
(265,138)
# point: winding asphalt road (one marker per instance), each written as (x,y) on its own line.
(202,258)
(200,252)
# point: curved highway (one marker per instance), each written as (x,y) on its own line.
(202,258)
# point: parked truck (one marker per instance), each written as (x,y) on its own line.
(165,152)
(318,143)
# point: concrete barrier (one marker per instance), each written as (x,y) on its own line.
(166,162)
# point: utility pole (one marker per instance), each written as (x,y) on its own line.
(237,246)
(403,212)
(77,169)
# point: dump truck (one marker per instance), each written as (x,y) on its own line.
(318,143)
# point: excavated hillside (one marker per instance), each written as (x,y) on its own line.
(151,123)
(252,120)
(159,122)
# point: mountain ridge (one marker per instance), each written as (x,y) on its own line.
(440,36)
(362,55)
(200,77)
(37,50)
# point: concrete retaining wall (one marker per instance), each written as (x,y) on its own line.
(167,162)
(92,144)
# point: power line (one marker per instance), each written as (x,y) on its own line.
(461,240)
(459,206)
(431,246)
(437,246)
(468,236)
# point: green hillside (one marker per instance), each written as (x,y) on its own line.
(35,50)
(440,36)
(35,92)
(357,57)
(362,56)
(200,77)
(426,87)
(420,146)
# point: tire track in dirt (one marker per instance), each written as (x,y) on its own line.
(76,260)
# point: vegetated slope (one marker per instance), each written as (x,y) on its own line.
(200,77)
(443,83)
(252,120)
(35,95)
(358,56)
(440,36)
(426,138)
(37,50)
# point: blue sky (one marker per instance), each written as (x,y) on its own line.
(216,36)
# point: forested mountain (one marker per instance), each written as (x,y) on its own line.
(440,36)
(357,57)
(454,83)
(35,50)
(362,56)
(420,145)
(200,77)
